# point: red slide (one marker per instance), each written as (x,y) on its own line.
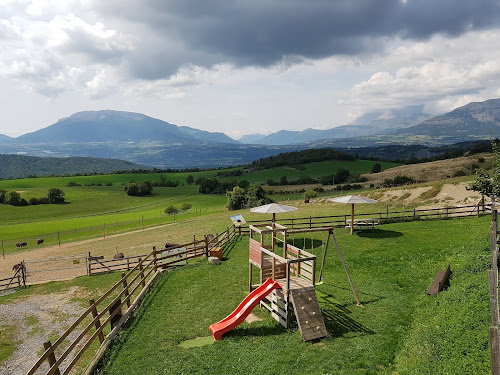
(244,308)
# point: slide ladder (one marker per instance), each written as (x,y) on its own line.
(244,308)
(308,313)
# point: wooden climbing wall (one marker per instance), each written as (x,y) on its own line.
(308,313)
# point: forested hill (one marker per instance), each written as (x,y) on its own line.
(295,158)
(21,166)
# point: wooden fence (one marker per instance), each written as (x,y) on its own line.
(493,286)
(110,311)
(382,217)
(15,281)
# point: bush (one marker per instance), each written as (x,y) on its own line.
(186,206)
(139,188)
(2,196)
(309,194)
(480,160)
(171,210)
(459,173)
(376,168)
(55,195)
(72,183)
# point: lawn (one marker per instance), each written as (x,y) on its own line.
(399,330)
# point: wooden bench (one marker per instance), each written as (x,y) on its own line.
(439,281)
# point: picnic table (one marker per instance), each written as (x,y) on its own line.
(363,223)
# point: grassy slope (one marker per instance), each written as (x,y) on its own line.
(95,205)
(399,329)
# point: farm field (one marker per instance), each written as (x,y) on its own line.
(399,330)
(95,207)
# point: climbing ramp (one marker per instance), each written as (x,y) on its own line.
(308,313)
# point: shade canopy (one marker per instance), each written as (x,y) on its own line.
(353,199)
(273,208)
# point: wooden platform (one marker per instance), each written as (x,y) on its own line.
(296,283)
(308,313)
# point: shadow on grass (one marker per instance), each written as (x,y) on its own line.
(230,246)
(299,242)
(337,319)
(256,331)
(378,233)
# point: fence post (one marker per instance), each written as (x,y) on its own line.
(141,268)
(89,267)
(97,322)
(206,247)
(23,272)
(3,250)
(494,305)
(155,260)
(51,357)
(447,212)
(125,287)
(310,222)
(414,212)
(104,229)
(387,210)
(59,237)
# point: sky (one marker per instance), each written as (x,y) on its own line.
(243,66)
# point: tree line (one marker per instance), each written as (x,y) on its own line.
(13,198)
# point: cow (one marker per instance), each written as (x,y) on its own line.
(39,241)
(21,244)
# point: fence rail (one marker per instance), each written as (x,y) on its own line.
(15,281)
(61,356)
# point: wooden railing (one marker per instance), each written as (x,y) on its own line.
(110,311)
(15,281)
(382,217)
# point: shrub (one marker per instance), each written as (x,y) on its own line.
(139,188)
(55,195)
(459,173)
(309,194)
(190,179)
(72,183)
(171,210)
(480,160)
(2,196)
(186,206)
(376,168)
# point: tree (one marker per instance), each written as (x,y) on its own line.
(376,168)
(243,184)
(236,199)
(186,206)
(139,188)
(309,194)
(171,210)
(342,175)
(55,195)
(488,183)
(190,179)
(2,196)
(13,198)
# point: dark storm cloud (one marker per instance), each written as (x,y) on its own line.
(261,33)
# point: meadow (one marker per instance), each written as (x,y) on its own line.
(399,329)
(92,206)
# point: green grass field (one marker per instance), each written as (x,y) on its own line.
(97,206)
(400,330)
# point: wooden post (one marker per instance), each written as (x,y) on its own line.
(346,271)
(493,284)
(155,260)
(352,218)
(310,222)
(59,237)
(23,272)
(387,210)
(3,250)
(206,247)
(104,229)
(97,322)
(141,268)
(330,233)
(51,358)
(142,222)
(89,266)
(125,287)
(249,277)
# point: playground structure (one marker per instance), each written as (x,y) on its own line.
(284,281)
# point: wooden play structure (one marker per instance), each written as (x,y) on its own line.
(295,271)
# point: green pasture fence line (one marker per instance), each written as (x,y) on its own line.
(105,228)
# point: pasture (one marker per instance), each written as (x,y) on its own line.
(93,207)
(399,330)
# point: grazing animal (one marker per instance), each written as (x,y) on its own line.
(21,244)
(39,241)
(119,256)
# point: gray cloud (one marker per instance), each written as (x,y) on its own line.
(262,33)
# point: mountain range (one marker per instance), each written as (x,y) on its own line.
(148,141)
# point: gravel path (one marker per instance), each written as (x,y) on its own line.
(36,318)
